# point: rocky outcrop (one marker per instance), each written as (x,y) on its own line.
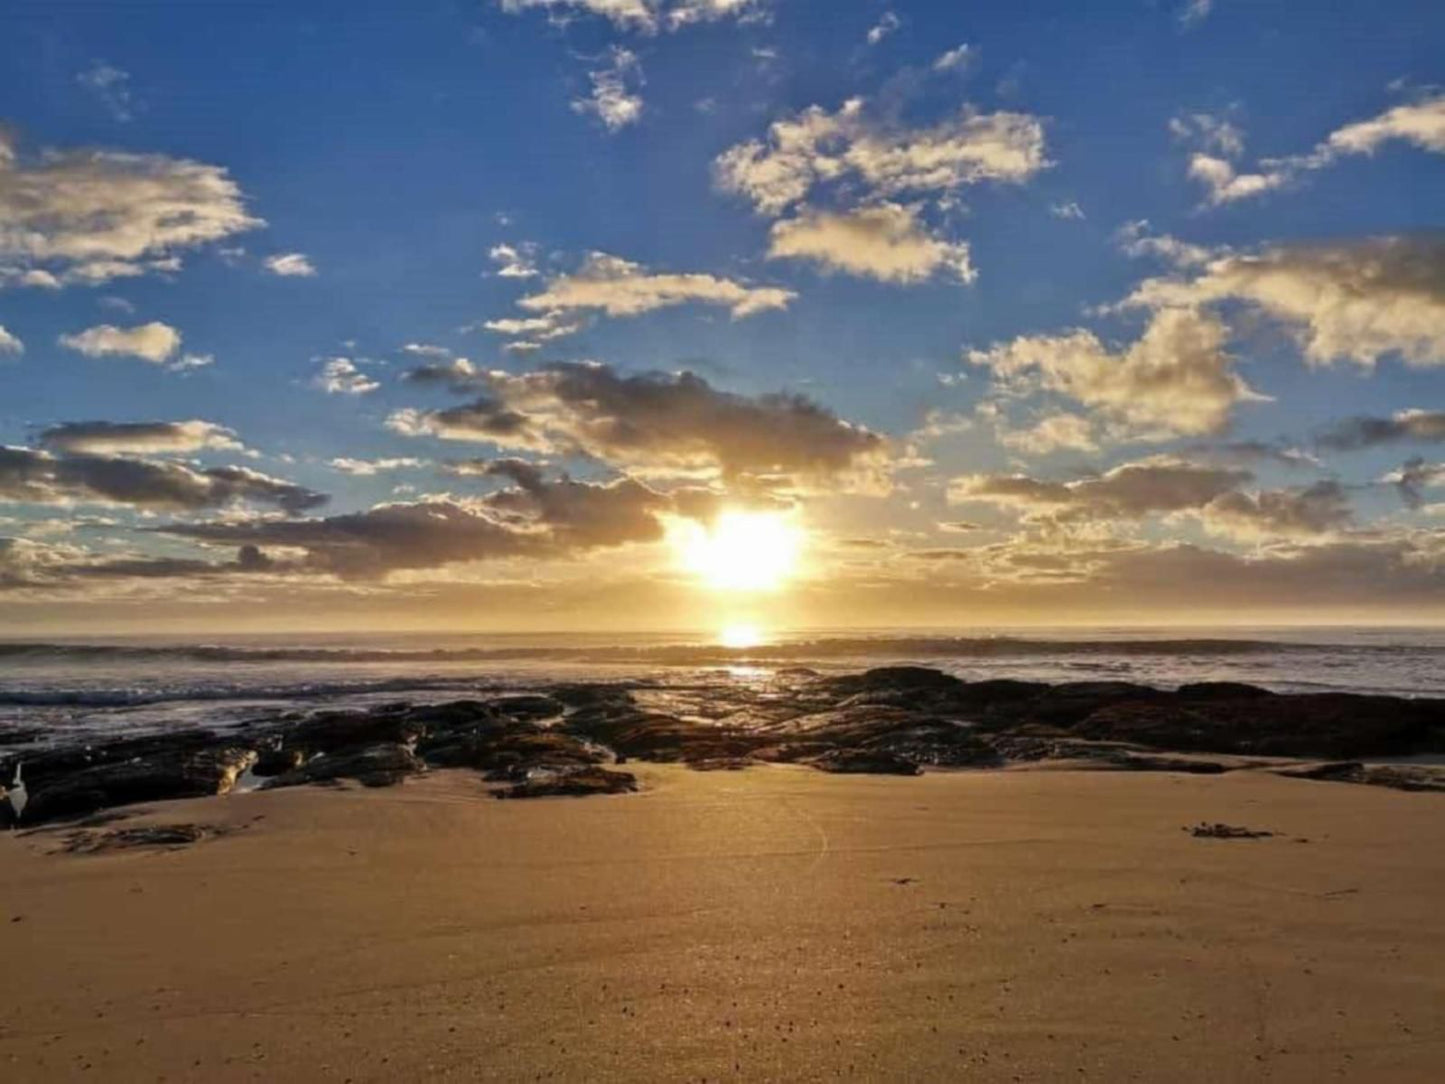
(1334,725)
(1396,776)
(893,720)
(154,777)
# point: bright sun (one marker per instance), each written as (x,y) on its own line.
(741,551)
(740,636)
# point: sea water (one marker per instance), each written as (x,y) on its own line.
(65,687)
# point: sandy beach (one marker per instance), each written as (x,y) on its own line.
(777,923)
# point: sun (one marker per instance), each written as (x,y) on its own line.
(741,551)
(740,636)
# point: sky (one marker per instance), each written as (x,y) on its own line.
(653,314)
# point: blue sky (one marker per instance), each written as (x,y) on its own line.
(1119,248)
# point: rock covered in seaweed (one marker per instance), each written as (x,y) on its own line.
(382,765)
(581,783)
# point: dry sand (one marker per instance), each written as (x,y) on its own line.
(773,924)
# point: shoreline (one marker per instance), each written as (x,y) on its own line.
(1035,923)
(577,738)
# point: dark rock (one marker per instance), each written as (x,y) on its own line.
(532,707)
(41,765)
(271,762)
(507,745)
(721,764)
(1069,703)
(795,673)
(1222,690)
(381,765)
(1410,777)
(865,762)
(591,696)
(1334,725)
(656,736)
(581,783)
(894,679)
(914,736)
(329,731)
(157,777)
(1153,762)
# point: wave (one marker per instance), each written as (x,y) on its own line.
(933,647)
(132,698)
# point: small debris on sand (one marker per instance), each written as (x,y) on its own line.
(1204,830)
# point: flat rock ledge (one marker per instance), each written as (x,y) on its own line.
(572,740)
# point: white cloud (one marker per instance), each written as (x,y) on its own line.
(1176,379)
(90,216)
(885,241)
(1226,184)
(1356,300)
(619,287)
(1136,240)
(1210,131)
(1068,209)
(544,328)
(1056,432)
(515,261)
(1194,12)
(817,147)
(154,342)
(1420,123)
(426,350)
(9,343)
(366,468)
(647,16)
(615,98)
(290,265)
(956,59)
(111,87)
(340,376)
(887,24)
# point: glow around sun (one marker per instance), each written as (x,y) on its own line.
(740,551)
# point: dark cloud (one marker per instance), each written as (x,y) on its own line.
(360,545)
(484,419)
(1314,510)
(1129,491)
(1254,451)
(1364,431)
(531,517)
(38,477)
(655,423)
(1414,476)
(28,564)
(137,438)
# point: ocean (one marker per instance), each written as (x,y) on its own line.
(61,689)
